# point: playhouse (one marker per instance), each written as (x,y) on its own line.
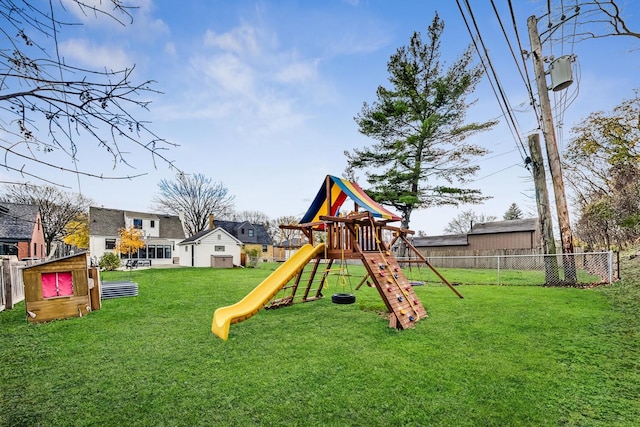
(356,235)
(61,288)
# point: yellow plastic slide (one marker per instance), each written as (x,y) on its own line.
(258,297)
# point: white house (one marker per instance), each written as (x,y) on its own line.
(161,233)
(210,248)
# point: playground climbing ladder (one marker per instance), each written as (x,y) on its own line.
(404,306)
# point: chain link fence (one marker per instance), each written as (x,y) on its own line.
(580,269)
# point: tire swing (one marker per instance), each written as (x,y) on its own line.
(344,297)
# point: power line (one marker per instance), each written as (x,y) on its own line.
(497,172)
(488,65)
(528,79)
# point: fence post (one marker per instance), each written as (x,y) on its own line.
(498,269)
(8,285)
(610,267)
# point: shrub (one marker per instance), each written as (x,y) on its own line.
(253,256)
(109,261)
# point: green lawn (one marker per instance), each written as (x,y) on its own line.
(504,356)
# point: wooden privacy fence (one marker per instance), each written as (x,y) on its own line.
(11,284)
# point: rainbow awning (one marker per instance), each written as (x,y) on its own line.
(341,189)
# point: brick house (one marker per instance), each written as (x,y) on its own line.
(21,233)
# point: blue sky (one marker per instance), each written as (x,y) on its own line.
(261,95)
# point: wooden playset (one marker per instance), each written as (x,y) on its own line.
(357,235)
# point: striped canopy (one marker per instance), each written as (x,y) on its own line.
(341,189)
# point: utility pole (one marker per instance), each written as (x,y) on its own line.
(552,151)
(551,274)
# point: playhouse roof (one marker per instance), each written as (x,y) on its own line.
(341,189)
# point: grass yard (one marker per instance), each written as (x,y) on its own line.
(503,356)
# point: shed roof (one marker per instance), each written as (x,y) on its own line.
(444,240)
(17,221)
(508,226)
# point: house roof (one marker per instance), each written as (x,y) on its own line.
(508,226)
(17,221)
(233,227)
(107,222)
(202,234)
(445,240)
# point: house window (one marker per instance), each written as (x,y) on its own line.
(35,249)
(152,223)
(109,243)
(250,232)
(137,223)
(8,249)
(57,284)
(242,231)
(151,251)
(159,252)
(142,252)
(219,236)
(167,251)
(264,248)
(219,248)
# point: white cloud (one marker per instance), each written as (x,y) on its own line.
(241,40)
(170,49)
(297,72)
(227,73)
(94,56)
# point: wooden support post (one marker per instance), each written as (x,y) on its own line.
(553,157)
(419,255)
(8,284)
(552,275)
(362,282)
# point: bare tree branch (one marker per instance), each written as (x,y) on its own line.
(49,107)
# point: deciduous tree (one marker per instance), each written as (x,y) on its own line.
(129,241)
(284,234)
(77,232)
(194,198)
(602,166)
(52,109)
(57,207)
(254,217)
(463,222)
(421,157)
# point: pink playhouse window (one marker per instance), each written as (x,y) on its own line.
(57,284)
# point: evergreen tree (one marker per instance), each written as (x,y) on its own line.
(513,212)
(421,158)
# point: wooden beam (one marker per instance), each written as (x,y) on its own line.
(414,249)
